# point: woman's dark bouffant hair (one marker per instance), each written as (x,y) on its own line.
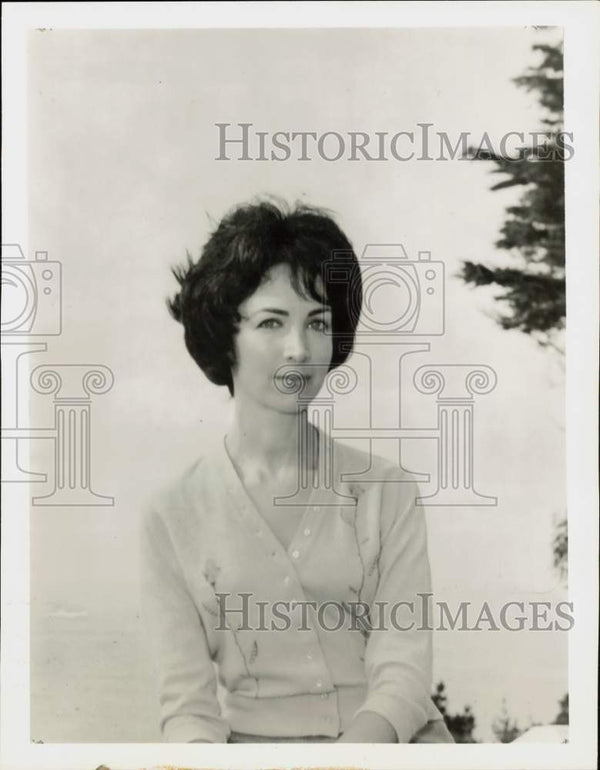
(246,244)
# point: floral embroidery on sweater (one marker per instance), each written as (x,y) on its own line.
(211,574)
(361,620)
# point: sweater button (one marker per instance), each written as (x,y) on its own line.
(307,532)
(295,554)
(319,683)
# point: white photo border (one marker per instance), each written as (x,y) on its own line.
(580,21)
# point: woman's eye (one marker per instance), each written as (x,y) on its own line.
(269,323)
(320,325)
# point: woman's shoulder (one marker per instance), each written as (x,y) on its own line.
(389,491)
(351,459)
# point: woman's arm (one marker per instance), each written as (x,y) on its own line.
(369,727)
(398,658)
(187,685)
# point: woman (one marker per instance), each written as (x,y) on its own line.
(278,582)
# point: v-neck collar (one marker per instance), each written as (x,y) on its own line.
(247,509)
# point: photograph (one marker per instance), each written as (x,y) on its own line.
(300,380)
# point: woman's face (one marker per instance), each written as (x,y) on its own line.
(281,332)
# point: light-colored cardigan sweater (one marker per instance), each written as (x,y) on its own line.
(207,552)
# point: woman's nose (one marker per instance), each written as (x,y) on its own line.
(296,348)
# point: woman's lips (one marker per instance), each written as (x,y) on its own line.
(293,378)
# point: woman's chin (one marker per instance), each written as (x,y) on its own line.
(296,396)
(291,405)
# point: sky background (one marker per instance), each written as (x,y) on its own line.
(123,179)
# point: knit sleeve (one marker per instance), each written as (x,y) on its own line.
(185,672)
(398,658)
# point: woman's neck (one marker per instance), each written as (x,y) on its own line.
(266,445)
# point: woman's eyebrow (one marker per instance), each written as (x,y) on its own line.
(278,311)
